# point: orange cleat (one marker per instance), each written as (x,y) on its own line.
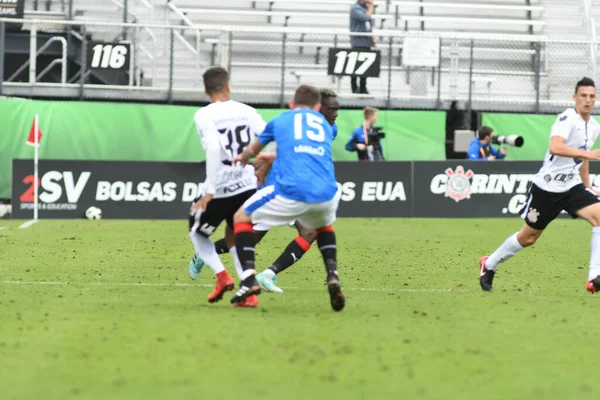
(590,287)
(224,284)
(250,302)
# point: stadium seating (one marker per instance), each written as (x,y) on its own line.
(499,69)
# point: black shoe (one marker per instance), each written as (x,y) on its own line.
(364,91)
(338,300)
(486,276)
(247,288)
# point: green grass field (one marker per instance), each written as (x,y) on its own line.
(105,310)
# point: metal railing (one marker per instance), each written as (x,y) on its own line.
(494,72)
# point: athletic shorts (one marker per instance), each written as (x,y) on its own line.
(217,211)
(543,207)
(268,209)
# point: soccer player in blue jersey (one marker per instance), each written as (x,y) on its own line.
(305,189)
(301,243)
(294,251)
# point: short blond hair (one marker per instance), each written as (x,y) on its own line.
(369,111)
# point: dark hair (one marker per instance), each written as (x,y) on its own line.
(215,79)
(484,132)
(307,95)
(327,94)
(584,82)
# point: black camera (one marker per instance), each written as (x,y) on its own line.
(376,135)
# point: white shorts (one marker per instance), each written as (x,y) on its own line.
(268,209)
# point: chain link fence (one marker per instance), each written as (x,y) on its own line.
(166,62)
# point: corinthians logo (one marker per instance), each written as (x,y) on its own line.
(460,183)
(458,186)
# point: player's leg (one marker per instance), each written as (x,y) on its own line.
(488,265)
(264,208)
(203,225)
(292,254)
(323,215)
(259,233)
(585,204)
(540,209)
(196,263)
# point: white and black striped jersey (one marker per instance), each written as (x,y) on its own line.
(226,128)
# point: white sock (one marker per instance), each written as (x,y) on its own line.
(509,248)
(595,257)
(247,274)
(236,261)
(269,273)
(205,249)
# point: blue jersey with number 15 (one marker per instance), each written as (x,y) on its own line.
(303,167)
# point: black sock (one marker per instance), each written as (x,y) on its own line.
(292,253)
(327,246)
(245,243)
(221,246)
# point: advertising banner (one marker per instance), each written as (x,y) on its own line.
(461,189)
(163,190)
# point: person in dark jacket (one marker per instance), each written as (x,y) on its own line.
(361,21)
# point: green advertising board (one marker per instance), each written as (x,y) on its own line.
(113,131)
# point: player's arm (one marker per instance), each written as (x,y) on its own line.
(266,137)
(263,163)
(558,137)
(249,152)
(559,147)
(212,149)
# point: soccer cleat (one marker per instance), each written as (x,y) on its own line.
(338,300)
(250,302)
(224,284)
(247,288)
(195,267)
(267,281)
(486,276)
(593,286)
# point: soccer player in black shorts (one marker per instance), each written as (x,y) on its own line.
(301,243)
(225,127)
(563,183)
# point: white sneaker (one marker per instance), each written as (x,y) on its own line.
(266,280)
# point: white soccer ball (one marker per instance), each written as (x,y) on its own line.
(93,213)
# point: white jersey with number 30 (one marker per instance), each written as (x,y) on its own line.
(226,128)
(559,174)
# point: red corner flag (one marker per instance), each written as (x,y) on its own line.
(35,128)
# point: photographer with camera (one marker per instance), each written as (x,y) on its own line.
(481,147)
(366,139)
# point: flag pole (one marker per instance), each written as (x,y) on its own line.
(35,167)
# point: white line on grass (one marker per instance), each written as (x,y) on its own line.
(199,285)
(28,224)
(2,227)
(202,285)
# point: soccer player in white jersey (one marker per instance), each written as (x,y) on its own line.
(225,127)
(563,183)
